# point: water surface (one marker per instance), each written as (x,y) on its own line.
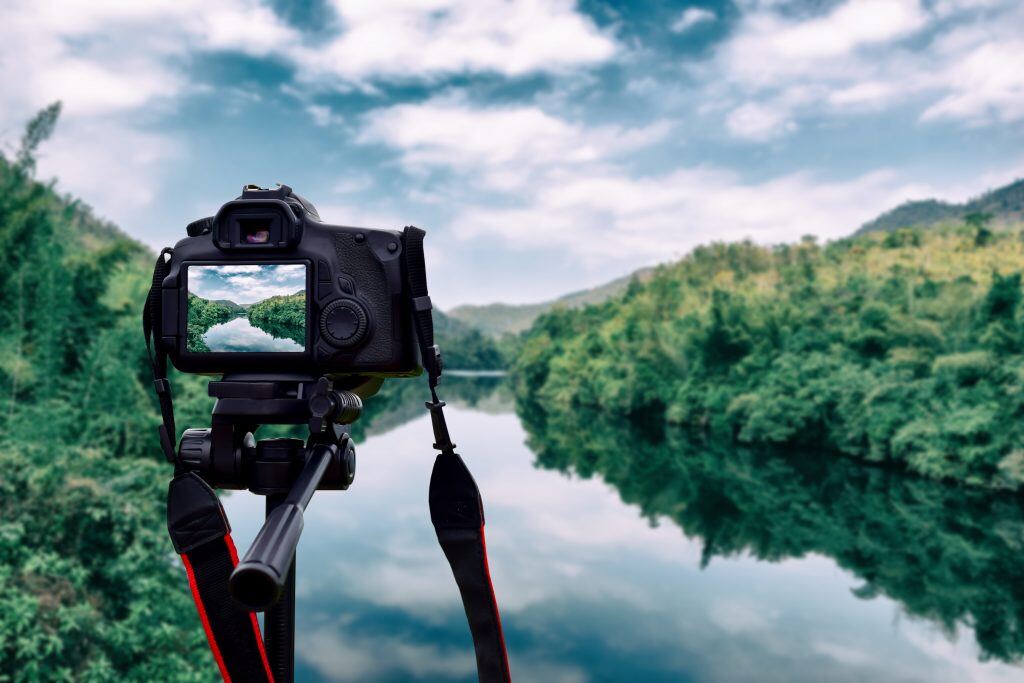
(720,567)
(239,334)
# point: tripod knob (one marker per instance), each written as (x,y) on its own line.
(327,406)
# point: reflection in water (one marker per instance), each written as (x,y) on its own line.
(950,554)
(788,568)
(239,334)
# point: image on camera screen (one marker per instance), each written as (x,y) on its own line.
(246,308)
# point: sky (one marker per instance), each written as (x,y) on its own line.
(546,145)
(246,284)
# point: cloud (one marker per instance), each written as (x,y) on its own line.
(410,39)
(753,121)
(246,284)
(690,17)
(503,148)
(962,59)
(535,181)
(986,85)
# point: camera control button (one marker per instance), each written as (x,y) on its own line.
(344,322)
(323,271)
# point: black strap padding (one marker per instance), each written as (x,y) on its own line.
(200,532)
(194,514)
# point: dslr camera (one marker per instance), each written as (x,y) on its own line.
(267,286)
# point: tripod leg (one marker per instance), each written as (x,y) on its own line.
(279,621)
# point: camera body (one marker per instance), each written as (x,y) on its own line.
(266,287)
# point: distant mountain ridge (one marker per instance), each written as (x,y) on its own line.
(497,319)
(1005,205)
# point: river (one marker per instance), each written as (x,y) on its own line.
(238,334)
(720,567)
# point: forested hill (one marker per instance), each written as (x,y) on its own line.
(1003,207)
(86,588)
(902,348)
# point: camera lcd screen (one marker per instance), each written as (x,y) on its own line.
(257,308)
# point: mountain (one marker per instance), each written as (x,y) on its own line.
(1005,205)
(232,306)
(498,319)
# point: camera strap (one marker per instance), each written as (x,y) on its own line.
(151,321)
(456,508)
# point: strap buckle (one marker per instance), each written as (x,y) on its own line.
(434,363)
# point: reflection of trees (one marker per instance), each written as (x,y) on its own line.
(400,400)
(283,317)
(202,315)
(948,554)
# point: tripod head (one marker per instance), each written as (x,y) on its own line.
(287,471)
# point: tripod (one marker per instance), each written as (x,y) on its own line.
(285,470)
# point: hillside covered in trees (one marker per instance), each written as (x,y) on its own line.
(900,347)
(88,591)
(283,317)
(202,315)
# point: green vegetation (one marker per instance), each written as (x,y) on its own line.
(89,587)
(464,347)
(283,317)
(948,554)
(901,348)
(202,315)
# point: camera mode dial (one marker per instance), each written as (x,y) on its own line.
(344,322)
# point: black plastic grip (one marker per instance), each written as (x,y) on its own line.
(260,577)
(258,580)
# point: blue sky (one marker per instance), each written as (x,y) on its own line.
(547,145)
(246,284)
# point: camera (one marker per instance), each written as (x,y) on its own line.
(266,286)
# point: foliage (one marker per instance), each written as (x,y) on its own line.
(202,315)
(948,554)
(901,347)
(464,347)
(90,589)
(283,317)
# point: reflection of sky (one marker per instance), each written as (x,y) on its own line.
(240,335)
(589,590)
(246,284)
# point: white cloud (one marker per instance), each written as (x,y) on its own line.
(769,49)
(406,39)
(690,17)
(986,85)
(859,56)
(503,148)
(759,122)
